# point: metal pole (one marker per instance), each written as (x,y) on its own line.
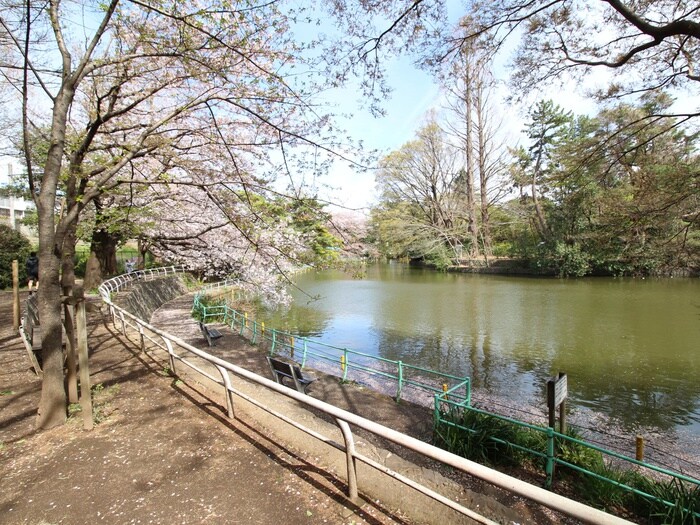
(549,467)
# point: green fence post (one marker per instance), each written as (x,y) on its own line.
(255,332)
(549,467)
(303,357)
(399,387)
(274,341)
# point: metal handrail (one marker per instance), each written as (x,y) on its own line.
(343,418)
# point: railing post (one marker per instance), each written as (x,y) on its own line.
(121,318)
(228,387)
(349,458)
(274,341)
(344,363)
(171,354)
(142,338)
(255,332)
(399,387)
(549,466)
(303,357)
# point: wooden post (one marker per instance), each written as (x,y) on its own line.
(551,409)
(85,393)
(15,295)
(71,351)
(639,456)
(562,410)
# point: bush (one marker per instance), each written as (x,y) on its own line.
(570,260)
(14,246)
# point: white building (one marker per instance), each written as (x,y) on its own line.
(13,209)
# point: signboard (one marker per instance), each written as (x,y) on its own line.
(556,397)
(560,390)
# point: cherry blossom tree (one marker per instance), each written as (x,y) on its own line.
(134,90)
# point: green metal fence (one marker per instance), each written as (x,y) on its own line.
(452,400)
(346,363)
(557,450)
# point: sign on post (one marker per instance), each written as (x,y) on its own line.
(557,391)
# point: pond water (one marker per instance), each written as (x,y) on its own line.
(630,347)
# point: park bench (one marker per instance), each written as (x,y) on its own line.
(282,370)
(210,334)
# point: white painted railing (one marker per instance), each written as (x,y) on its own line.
(181,352)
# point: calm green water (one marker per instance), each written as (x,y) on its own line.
(631,348)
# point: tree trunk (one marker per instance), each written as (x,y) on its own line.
(472,227)
(143,252)
(104,246)
(52,405)
(483,173)
(68,261)
(93,273)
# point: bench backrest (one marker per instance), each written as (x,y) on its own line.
(281,369)
(205,333)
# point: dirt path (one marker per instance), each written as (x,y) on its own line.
(164,452)
(160,453)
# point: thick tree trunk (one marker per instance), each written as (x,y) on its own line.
(93,273)
(52,405)
(104,246)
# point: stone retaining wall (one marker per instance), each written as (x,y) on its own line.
(145,297)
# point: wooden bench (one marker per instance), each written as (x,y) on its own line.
(282,370)
(210,334)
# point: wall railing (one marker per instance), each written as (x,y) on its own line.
(451,400)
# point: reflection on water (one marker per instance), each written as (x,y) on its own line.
(630,347)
